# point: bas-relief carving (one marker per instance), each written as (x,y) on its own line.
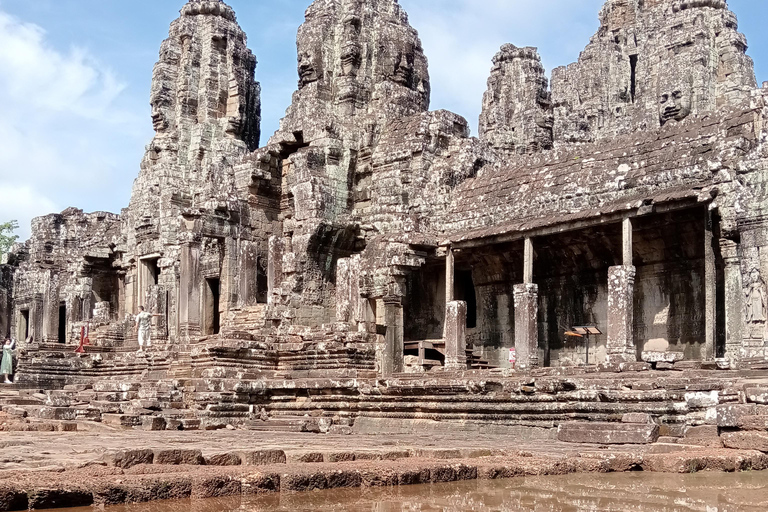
(756,304)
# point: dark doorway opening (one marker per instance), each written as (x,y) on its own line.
(24,325)
(212,305)
(63,323)
(262,284)
(465,290)
(633,78)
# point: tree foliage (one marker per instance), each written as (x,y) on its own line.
(7,238)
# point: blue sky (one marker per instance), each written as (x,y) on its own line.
(75,77)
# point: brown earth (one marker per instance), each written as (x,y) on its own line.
(103,466)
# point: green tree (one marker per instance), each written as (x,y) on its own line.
(7,238)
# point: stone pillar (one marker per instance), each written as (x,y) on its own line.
(621,288)
(528,262)
(450,276)
(392,357)
(526,326)
(710,291)
(626,242)
(734,300)
(50,313)
(189,291)
(456,335)
(274,267)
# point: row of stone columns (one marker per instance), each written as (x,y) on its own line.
(620,343)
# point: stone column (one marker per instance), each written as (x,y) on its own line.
(528,262)
(526,327)
(189,291)
(710,291)
(392,357)
(456,335)
(274,267)
(450,276)
(626,242)
(621,288)
(734,300)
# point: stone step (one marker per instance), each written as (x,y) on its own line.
(607,433)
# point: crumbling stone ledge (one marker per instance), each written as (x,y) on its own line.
(102,484)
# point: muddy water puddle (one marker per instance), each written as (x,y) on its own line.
(642,492)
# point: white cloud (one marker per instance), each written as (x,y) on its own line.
(460,38)
(22,203)
(63,137)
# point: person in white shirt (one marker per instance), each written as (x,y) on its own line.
(144,328)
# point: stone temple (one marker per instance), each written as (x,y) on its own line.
(370,241)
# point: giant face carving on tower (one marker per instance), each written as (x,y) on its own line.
(675,102)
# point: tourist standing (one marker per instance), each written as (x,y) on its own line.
(6,366)
(144,328)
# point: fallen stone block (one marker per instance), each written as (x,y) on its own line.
(152,423)
(179,457)
(607,433)
(121,420)
(67,426)
(224,459)
(746,441)
(701,399)
(125,459)
(190,424)
(662,357)
(57,413)
(728,415)
(262,457)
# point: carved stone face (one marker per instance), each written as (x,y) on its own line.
(350,59)
(404,69)
(308,69)
(160,106)
(675,103)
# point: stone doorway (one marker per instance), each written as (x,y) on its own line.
(23,329)
(212,305)
(62,335)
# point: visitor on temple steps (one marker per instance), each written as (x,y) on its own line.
(6,367)
(144,328)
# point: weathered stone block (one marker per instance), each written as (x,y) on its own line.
(746,440)
(121,420)
(224,459)
(637,417)
(753,423)
(128,458)
(262,457)
(757,395)
(57,413)
(704,435)
(152,423)
(607,433)
(729,415)
(179,457)
(662,357)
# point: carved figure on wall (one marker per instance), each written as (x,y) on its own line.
(757,299)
